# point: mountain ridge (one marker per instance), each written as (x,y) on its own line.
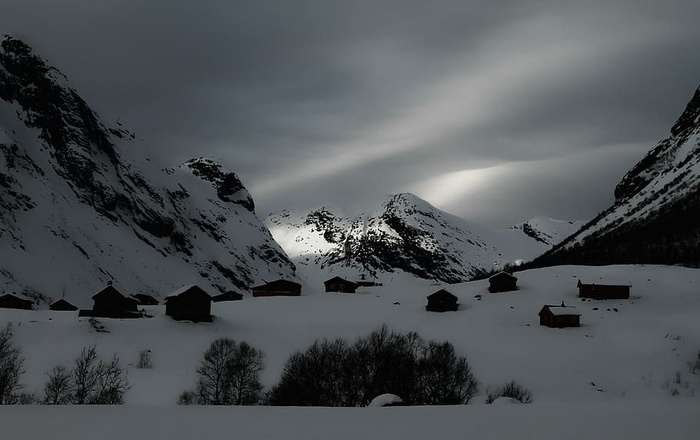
(73,207)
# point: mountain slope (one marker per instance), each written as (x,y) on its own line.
(405,234)
(74,213)
(656,214)
(548,231)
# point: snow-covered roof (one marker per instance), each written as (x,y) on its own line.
(501,274)
(181,290)
(563,310)
(607,282)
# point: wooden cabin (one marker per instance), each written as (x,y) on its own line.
(337,284)
(441,301)
(603,291)
(502,282)
(560,316)
(146,300)
(110,303)
(277,288)
(189,303)
(61,305)
(228,296)
(12,301)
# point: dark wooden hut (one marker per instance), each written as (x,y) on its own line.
(61,305)
(502,282)
(603,291)
(11,301)
(337,284)
(277,288)
(189,303)
(147,300)
(110,303)
(441,301)
(228,296)
(560,316)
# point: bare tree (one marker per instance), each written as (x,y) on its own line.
(96,382)
(229,374)
(11,367)
(57,390)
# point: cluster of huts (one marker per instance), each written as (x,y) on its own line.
(558,316)
(192,303)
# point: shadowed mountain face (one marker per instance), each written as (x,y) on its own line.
(75,212)
(656,214)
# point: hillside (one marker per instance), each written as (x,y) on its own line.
(80,205)
(656,214)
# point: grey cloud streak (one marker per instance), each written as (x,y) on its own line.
(317,101)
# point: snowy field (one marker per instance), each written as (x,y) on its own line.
(673,420)
(626,373)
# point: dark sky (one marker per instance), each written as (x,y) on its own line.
(494,111)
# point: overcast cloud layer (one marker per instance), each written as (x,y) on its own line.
(495,111)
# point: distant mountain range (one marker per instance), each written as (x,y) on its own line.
(75,212)
(656,214)
(407,235)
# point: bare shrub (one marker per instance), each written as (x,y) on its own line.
(511,389)
(145,359)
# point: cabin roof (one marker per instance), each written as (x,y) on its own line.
(61,301)
(561,310)
(502,274)
(109,290)
(441,293)
(608,282)
(340,280)
(15,297)
(277,284)
(191,289)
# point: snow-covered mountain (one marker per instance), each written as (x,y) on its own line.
(656,214)
(404,235)
(547,230)
(75,213)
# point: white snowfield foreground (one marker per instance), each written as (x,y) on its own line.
(652,420)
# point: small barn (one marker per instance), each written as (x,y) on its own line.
(61,305)
(277,288)
(603,291)
(228,296)
(110,303)
(337,284)
(11,301)
(560,316)
(189,303)
(146,300)
(502,282)
(441,301)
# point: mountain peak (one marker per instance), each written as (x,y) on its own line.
(229,187)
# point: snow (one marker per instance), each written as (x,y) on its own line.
(649,420)
(385,400)
(603,379)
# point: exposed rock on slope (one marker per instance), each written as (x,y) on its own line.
(74,213)
(656,214)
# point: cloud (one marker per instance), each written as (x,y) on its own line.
(334,100)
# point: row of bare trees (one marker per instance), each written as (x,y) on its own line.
(90,381)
